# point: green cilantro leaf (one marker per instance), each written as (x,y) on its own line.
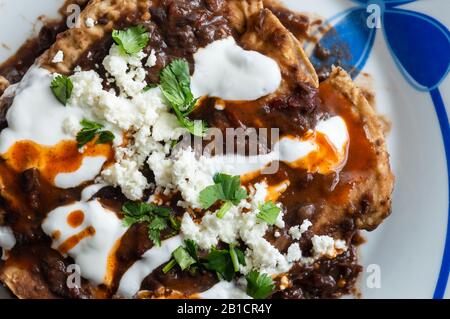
(220,261)
(192,248)
(62,88)
(131,40)
(259,286)
(227,188)
(90,131)
(176,88)
(136,212)
(269,212)
(84,137)
(105,137)
(197,128)
(185,257)
(157,217)
(176,85)
(172,263)
(174,223)
(237,257)
(91,125)
(155,227)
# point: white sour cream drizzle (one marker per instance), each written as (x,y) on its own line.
(35,114)
(224,290)
(225,70)
(89,169)
(152,259)
(90,191)
(92,252)
(7,239)
(288,150)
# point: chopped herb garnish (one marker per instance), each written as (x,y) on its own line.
(227,188)
(192,248)
(220,262)
(237,257)
(176,88)
(90,131)
(269,212)
(259,286)
(185,256)
(131,40)
(157,217)
(105,137)
(155,227)
(225,262)
(172,263)
(62,88)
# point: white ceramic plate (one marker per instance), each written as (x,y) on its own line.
(407,52)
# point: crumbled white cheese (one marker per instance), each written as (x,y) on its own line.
(277,234)
(126,175)
(116,110)
(327,246)
(280,222)
(340,244)
(87,88)
(59,57)
(161,167)
(297,231)
(90,23)
(127,71)
(151,61)
(191,175)
(294,253)
(259,194)
(167,128)
(236,225)
(145,114)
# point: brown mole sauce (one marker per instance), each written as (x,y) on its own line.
(178,29)
(18,64)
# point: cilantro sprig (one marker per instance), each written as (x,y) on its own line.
(176,88)
(62,87)
(131,40)
(158,218)
(184,256)
(268,212)
(226,188)
(90,131)
(259,286)
(225,262)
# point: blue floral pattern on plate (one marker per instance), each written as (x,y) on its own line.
(420,46)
